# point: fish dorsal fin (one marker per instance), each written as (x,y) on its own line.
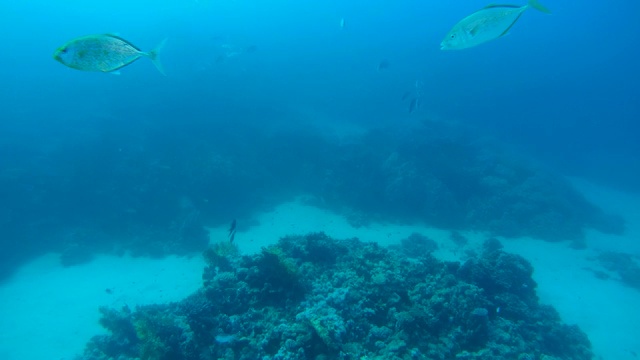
(493,6)
(116,36)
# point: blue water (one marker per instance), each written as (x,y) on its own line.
(253,91)
(563,87)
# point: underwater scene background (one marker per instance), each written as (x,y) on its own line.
(387,199)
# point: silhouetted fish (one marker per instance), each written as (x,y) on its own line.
(384,64)
(405,96)
(232,230)
(413,105)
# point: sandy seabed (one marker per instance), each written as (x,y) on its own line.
(50,312)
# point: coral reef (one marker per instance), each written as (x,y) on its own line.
(445,176)
(625,266)
(416,245)
(155,197)
(314,297)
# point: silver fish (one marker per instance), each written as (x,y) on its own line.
(485,25)
(104,53)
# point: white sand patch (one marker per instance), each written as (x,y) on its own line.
(298,218)
(616,202)
(50,312)
(604,309)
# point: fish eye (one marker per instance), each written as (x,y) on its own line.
(453,36)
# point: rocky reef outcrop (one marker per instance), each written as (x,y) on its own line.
(314,297)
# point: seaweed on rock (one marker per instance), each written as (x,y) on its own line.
(314,297)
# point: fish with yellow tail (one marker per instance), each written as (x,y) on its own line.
(104,53)
(486,24)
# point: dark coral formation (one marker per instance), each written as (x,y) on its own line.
(625,266)
(440,174)
(313,297)
(416,244)
(155,196)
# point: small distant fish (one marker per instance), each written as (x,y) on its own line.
(384,64)
(486,24)
(232,231)
(341,23)
(405,96)
(413,105)
(103,53)
(251,49)
(220,58)
(232,228)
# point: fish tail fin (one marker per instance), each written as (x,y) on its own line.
(154,55)
(536,5)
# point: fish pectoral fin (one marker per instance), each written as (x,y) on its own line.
(474,30)
(117,72)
